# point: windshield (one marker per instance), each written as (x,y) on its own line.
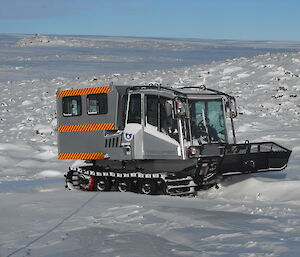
(207,120)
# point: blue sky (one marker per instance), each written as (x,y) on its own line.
(214,19)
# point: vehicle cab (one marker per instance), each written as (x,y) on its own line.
(175,123)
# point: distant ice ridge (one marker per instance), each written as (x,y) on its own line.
(49,56)
(161,43)
(107,42)
(40,40)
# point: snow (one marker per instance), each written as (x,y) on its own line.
(247,216)
(231,70)
(49,174)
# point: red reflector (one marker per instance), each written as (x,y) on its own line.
(192,151)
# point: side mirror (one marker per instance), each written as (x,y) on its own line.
(180,108)
(169,108)
(231,107)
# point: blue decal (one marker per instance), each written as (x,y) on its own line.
(128,136)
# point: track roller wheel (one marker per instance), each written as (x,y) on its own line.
(86,182)
(147,187)
(124,185)
(103,184)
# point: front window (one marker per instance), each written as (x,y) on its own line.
(207,120)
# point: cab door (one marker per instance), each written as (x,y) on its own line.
(133,130)
(160,131)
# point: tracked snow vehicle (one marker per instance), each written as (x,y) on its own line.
(156,140)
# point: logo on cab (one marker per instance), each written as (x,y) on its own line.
(128,136)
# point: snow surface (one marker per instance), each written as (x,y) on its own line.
(247,217)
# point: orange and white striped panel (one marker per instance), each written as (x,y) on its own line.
(84,91)
(86,127)
(81,156)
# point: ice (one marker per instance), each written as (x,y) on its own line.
(247,216)
(43,129)
(260,189)
(49,174)
(243,75)
(27,102)
(231,70)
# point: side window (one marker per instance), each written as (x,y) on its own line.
(71,105)
(151,112)
(97,104)
(160,114)
(134,113)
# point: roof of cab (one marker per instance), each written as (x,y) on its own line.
(178,91)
